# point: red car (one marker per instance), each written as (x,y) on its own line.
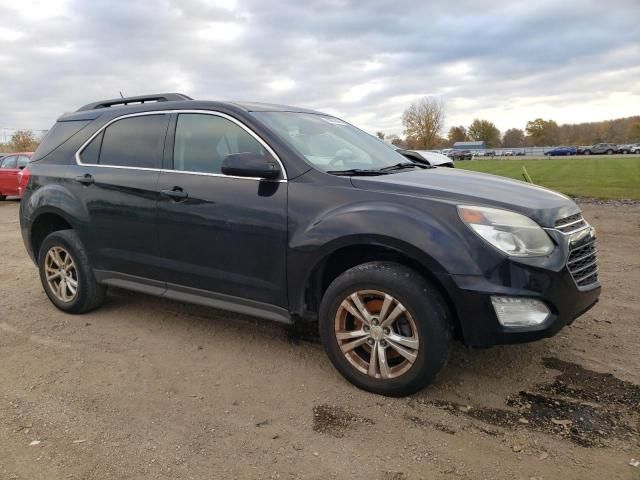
(12,173)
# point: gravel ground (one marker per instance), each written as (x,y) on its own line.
(147,388)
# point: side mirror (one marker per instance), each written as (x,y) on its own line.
(250,165)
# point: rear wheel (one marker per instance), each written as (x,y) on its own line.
(66,275)
(385,328)
(587,152)
(609,152)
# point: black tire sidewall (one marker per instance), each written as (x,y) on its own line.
(68,240)
(425,306)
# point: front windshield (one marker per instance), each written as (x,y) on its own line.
(329,144)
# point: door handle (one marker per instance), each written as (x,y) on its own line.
(176,194)
(86,179)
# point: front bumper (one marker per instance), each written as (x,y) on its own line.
(547,280)
(471,298)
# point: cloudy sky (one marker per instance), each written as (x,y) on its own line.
(365,61)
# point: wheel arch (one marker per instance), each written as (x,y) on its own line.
(47,221)
(50,208)
(345,254)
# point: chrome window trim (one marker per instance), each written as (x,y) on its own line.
(168,112)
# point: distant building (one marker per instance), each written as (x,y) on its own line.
(469,146)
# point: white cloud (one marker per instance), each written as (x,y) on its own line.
(363,61)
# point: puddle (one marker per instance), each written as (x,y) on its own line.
(580,383)
(335,421)
(586,407)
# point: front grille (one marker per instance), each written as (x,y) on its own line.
(583,265)
(570,224)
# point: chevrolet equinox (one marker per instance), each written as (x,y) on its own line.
(293,215)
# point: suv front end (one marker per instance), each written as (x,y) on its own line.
(527,298)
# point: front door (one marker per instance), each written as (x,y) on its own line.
(218,233)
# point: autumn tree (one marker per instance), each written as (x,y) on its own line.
(513,138)
(457,134)
(23,141)
(543,132)
(422,122)
(484,130)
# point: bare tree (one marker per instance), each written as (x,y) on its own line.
(23,141)
(380,135)
(423,121)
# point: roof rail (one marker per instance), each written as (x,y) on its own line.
(160,97)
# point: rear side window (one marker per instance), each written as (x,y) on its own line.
(202,142)
(10,162)
(133,142)
(59,133)
(91,153)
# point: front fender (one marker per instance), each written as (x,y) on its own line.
(429,239)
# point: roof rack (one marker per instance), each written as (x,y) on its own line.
(160,97)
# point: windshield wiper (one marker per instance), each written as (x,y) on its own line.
(403,165)
(357,171)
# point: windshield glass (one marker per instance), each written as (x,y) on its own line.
(329,144)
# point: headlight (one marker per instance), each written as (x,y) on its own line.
(510,232)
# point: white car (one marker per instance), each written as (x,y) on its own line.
(432,158)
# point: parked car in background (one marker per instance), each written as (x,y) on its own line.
(561,152)
(598,149)
(429,157)
(507,153)
(629,148)
(10,168)
(484,153)
(519,152)
(460,155)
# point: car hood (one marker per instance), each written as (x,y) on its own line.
(472,188)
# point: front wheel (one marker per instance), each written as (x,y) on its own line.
(385,328)
(609,152)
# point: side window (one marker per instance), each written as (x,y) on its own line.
(134,142)
(23,161)
(91,153)
(202,141)
(10,162)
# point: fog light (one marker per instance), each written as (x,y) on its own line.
(520,311)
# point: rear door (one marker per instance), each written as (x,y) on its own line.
(9,176)
(117,179)
(225,234)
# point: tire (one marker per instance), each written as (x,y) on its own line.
(89,294)
(609,152)
(426,318)
(587,152)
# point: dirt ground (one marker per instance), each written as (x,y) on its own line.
(145,388)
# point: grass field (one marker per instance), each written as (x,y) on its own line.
(598,177)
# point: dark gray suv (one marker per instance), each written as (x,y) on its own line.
(293,215)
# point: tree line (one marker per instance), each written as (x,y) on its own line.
(21,141)
(423,123)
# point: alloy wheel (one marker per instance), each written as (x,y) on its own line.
(61,274)
(377,334)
